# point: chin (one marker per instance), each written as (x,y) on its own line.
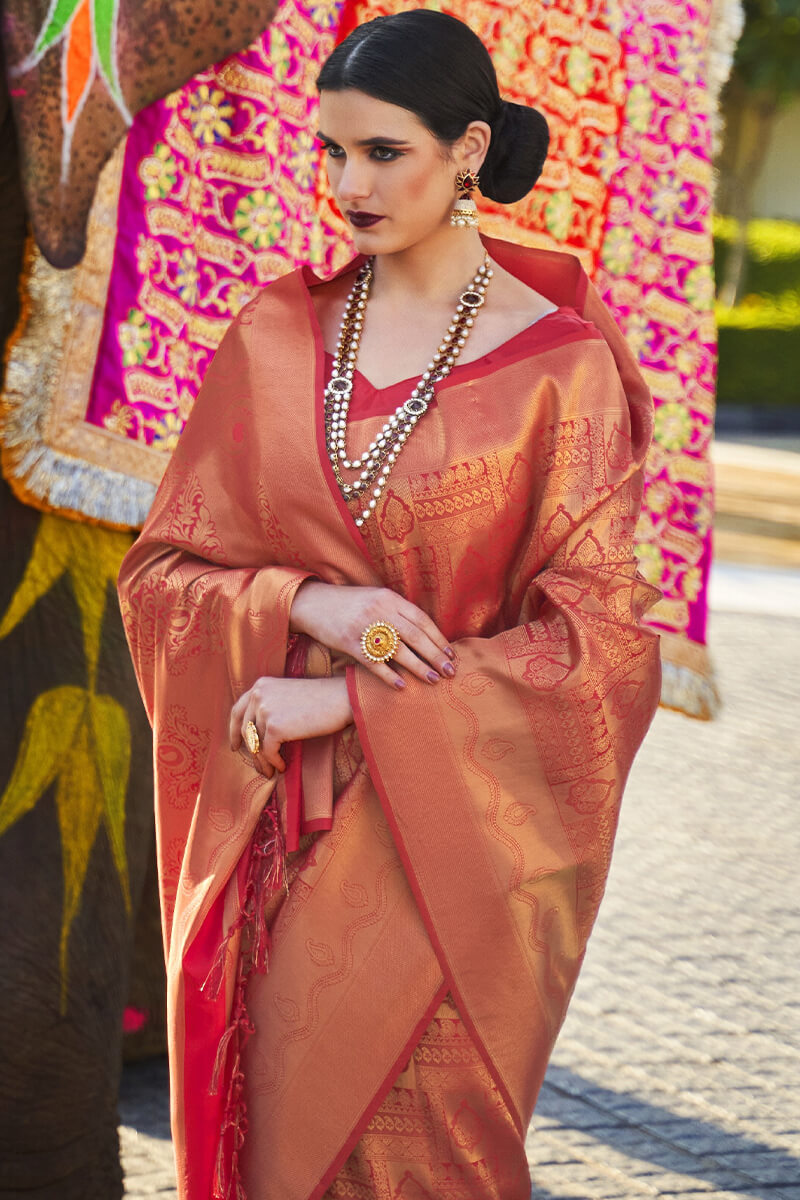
(369,239)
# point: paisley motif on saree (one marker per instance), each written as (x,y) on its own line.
(474,820)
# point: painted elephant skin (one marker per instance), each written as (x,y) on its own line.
(76,826)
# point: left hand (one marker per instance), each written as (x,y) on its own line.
(289,710)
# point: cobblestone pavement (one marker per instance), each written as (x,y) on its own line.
(677,1072)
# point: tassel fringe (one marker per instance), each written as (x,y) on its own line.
(266,876)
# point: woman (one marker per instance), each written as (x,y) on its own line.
(386,618)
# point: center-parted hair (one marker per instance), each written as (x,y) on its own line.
(434,66)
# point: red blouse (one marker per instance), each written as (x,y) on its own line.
(368,401)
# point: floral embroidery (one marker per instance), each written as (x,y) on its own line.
(699,287)
(209,115)
(618,249)
(651,562)
(158,172)
(639,107)
(135,338)
(580,71)
(121,418)
(558,214)
(673,427)
(258,219)
(187,276)
(167,432)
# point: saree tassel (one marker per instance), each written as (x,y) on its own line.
(266,875)
(212,983)
(227,1184)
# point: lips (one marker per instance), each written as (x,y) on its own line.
(363,220)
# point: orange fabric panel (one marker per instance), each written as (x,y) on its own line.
(441,1130)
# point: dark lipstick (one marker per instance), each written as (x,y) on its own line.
(362,220)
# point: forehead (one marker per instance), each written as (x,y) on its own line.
(353,115)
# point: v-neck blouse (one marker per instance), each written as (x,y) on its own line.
(368,401)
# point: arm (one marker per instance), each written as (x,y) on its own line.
(336,615)
(285,710)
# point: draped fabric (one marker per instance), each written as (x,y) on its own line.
(464,830)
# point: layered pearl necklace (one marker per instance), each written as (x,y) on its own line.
(377,461)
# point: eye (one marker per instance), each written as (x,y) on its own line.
(385,153)
(332,150)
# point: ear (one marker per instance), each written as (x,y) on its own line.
(473,146)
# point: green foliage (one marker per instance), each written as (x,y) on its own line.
(767,57)
(759,366)
(759,339)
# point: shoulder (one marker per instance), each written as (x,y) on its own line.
(300,285)
(554,273)
(271,294)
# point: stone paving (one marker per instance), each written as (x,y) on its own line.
(677,1072)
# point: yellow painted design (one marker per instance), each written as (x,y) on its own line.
(73,737)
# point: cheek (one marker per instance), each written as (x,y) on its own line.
(428,186)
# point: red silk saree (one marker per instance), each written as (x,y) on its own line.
(447,852)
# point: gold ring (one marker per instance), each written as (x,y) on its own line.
(252,740)
(379,641)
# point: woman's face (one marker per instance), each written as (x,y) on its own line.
(384,163)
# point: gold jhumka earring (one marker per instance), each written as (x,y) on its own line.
(465,212)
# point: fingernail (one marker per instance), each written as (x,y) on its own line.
(449,669)
(433,676)
(400,684)
(449,651)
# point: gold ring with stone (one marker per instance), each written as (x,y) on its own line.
(379,642)
(251,738)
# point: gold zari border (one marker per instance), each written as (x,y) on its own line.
(688,684)
(51,456)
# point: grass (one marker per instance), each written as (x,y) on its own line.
(759,338)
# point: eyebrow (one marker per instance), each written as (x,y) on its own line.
(373,141)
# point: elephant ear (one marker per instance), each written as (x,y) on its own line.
(46,745)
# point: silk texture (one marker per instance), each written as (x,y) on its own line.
(463,830)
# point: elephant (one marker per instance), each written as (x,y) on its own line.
(77,887)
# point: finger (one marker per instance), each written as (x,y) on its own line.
(269,748)
(235,731)
(420,620)
(269,761)
(423,647)
(405,657)
(385,672)
(236,722)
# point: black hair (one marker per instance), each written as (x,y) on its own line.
(434,66)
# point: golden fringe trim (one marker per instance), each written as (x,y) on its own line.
(688,684)
(53,482)
(39,475)
(727,22)
(54,305)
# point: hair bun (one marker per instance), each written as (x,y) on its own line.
(516,155)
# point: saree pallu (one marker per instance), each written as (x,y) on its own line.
(464,830)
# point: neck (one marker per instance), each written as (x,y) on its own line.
(432,271)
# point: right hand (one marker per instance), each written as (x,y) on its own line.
(336,615)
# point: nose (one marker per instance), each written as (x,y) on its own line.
(355,182)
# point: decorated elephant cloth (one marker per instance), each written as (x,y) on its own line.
(215,191)
(77,70)
(510,519)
